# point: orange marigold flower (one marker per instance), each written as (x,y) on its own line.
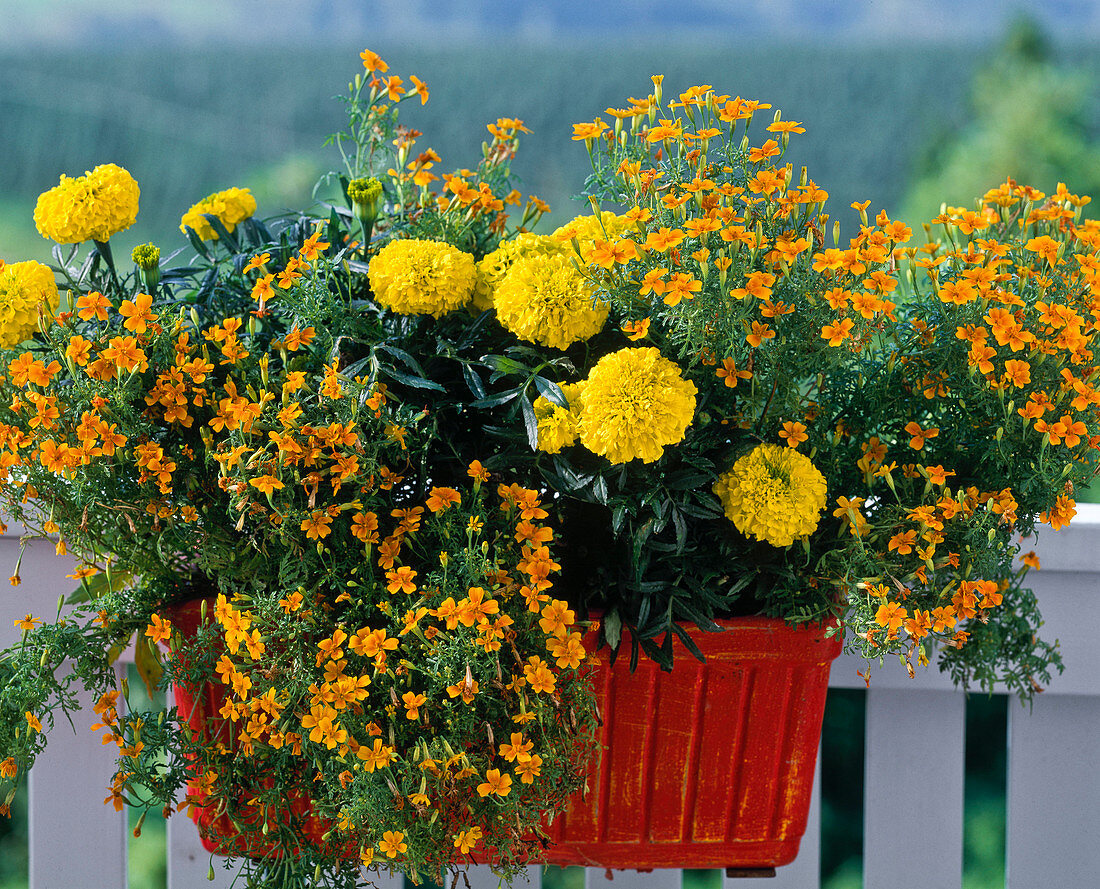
(891,615)
(441,498)
(919,435)
(392,843)
(636,330)
(837,332)
(794,433)
(495,783)
(317,525)
(729,373)
(159,629)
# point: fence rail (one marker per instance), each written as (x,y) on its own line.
(915,743)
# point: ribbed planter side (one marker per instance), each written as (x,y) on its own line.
(710,765)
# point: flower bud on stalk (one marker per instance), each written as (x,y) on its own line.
(365,195)
(147,258)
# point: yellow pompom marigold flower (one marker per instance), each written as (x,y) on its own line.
(774,494)
(586,230)
(559,426)
(493,268)
(545,300)
(635,404)
(93,207)
(232,206)
(24,287)
(415,277)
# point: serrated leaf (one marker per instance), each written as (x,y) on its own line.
(701,621)
(681,529)
(207,286)
(504,365)
(402,356)
(496,400)
(410,380)
(258,232)
(473,381)
(531,422)
(689,643)
(599,489)
(224,235)
(613,628)
(196,242)
(700,511)
(550,391)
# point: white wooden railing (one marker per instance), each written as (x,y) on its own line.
(913,810)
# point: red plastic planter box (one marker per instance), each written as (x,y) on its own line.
(710,765)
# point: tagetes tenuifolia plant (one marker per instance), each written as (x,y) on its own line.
(395,679)
(402,452)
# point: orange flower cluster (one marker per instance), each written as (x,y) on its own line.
(374,696)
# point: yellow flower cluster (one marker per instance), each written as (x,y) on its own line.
(544,299)
(774,494)
(232,206)
(24,287)
(94,206)
(416,277)
(635,403)
(558,427)
(495,266)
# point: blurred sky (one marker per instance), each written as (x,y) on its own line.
(96,23)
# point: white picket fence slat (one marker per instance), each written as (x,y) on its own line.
(914,752)
(915,742)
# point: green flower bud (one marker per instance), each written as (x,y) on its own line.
(366,198)
(147,258)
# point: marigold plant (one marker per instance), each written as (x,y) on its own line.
(411,455)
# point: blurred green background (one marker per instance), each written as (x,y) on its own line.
(906,124)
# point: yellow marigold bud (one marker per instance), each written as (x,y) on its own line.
(232,206)
(635,404)
(94,206)
(146,256)
(365,195)
(24,287)
(774,494)
(415,277)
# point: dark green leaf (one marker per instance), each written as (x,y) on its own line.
(404,357)
(473,381)
(223,234)
(496,400)
(681,528)
(504,365)
(550,391)
(689,643)
(613,628)
(530,422)
(410,380)
(196,242)
(599,489)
